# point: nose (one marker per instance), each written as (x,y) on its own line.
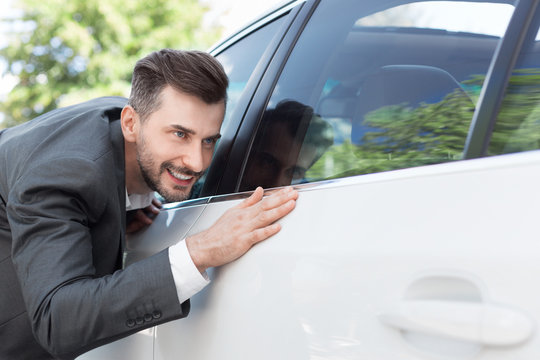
(194,159)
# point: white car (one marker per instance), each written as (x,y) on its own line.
(411,129)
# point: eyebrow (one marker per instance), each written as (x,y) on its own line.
(192,132)
(184,129)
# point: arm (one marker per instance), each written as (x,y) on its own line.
(56,213)
(230,237)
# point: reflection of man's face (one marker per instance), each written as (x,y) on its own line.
(278,160)
(176,142)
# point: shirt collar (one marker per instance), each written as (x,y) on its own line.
(138,201)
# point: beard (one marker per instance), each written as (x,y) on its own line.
(152,176)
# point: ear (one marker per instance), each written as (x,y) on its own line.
(130,121)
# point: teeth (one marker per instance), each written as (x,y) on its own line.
(180,176)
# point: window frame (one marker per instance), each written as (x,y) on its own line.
(221,173)
(232,158)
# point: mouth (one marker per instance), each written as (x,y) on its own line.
(180,179)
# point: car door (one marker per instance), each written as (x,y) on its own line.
(401,245)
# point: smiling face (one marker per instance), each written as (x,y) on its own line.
(169,150)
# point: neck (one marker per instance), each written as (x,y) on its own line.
(135,183)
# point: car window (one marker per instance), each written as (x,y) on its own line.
(239,61)
(518,123)
(369,89)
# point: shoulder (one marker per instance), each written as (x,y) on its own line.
(93,116)
(109,106)
(75,134)
(65,183)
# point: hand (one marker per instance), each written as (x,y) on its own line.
(241,227)
(143,217)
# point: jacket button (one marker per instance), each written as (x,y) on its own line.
(130,323)
(148,317)
(156,314)
(139,320)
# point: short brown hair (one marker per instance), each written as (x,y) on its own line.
(192,72)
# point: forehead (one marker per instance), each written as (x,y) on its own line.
(178,108)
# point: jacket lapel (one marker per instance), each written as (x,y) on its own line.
(117,141)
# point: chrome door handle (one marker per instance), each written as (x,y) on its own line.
(477,322)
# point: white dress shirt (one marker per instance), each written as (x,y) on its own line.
(187,279)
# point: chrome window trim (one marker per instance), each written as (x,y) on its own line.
(186,203)
(477,164)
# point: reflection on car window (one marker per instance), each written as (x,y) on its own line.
(291,140)
(397,86)
(518,123)
(239,61)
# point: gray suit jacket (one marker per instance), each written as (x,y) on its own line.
(62,224)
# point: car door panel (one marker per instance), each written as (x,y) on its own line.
(359,248)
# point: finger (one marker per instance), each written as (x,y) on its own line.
(157,203)
(134,227)
(264,233)
(140,216)
(279,198)
(253,199)
(152,209)
(273,215)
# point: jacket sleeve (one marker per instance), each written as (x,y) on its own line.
(51,210)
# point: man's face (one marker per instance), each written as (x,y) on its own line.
(279,160)
(176,142)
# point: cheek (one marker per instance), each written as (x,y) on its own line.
(167,150)
(207,157)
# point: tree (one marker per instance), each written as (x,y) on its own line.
(400,136)
(71,51)
(518,123)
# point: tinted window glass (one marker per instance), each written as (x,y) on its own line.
(370,88)
(518,123)
(239,60)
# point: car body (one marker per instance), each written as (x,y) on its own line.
(415,152)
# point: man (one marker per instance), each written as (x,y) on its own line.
(290,140)
(66,180)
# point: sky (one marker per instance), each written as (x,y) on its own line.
(233,14)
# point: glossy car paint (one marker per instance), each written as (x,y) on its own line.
(446,234)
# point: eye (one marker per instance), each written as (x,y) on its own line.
(267,160)
(180,134)
(209,141)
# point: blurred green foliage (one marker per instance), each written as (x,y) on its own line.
(401,136)
(71,51)
(518,124)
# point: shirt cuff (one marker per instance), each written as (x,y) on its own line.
(187,278)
